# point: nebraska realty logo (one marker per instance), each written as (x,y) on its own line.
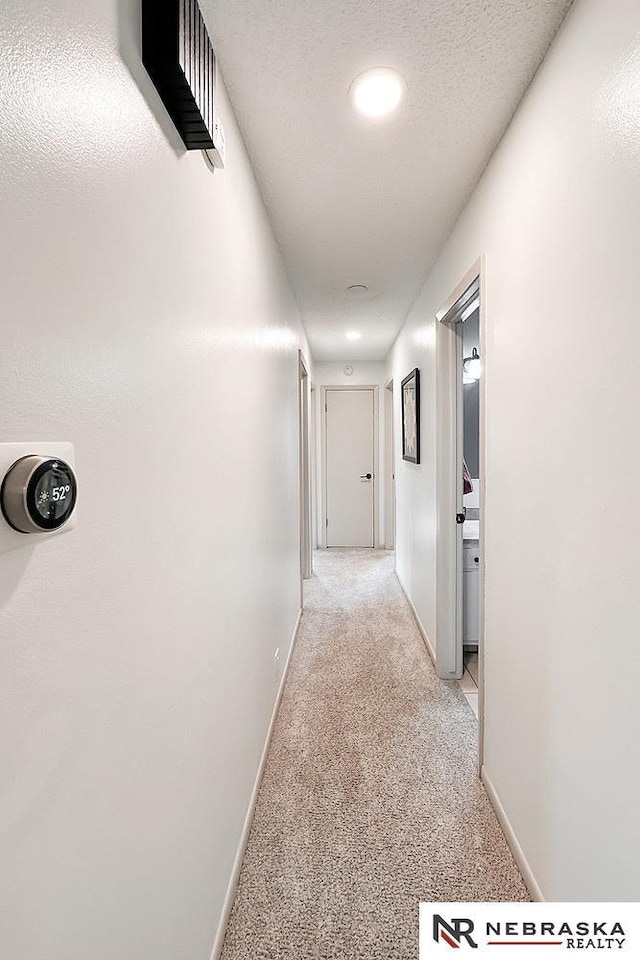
(452,933)
(538,926)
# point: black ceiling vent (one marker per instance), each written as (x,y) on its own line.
(177,53)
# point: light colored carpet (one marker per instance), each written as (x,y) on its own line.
(370,800)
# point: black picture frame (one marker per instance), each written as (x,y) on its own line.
(410,399)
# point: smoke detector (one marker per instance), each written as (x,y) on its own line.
(357,291)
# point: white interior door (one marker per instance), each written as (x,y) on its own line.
(349,467)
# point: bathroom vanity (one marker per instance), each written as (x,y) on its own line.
(471,585)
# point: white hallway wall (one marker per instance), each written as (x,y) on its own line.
(147,319)
(365,373)
(556,215)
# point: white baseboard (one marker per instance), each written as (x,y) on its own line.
(422,630)
(517,851)
(246,829)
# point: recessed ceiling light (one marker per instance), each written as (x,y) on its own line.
(377,92)
(353,334)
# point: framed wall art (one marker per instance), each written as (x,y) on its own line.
(411,417)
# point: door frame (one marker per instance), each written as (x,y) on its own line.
(304,474)
(323,456)
(390,468)
(449,442)
(313,464)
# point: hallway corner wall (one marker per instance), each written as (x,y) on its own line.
(555,217)
(148,319)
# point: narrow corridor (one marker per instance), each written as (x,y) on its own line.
(272,274)
(370,800)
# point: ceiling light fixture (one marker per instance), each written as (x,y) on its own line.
(472,367)
(353,334)
(377,92)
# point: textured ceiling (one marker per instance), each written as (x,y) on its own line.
(371,202)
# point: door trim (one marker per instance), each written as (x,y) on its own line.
(389,468)
(323,455)
(448,416)
(304,474)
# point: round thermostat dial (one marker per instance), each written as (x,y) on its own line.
(38,494)
(347,369)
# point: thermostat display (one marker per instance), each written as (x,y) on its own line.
(38,494)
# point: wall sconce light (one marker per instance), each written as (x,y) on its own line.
(472,367)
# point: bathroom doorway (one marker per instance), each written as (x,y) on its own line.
(460,468)
(471,371)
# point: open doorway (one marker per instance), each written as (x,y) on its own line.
(460,489)
(471,370)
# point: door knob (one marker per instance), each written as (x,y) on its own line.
(365,476)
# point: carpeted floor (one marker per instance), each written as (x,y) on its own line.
(370,800)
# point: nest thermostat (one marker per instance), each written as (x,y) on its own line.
(38,494)
(38,491)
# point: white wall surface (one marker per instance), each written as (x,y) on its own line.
(365,373)
(556,215)
(147,319)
